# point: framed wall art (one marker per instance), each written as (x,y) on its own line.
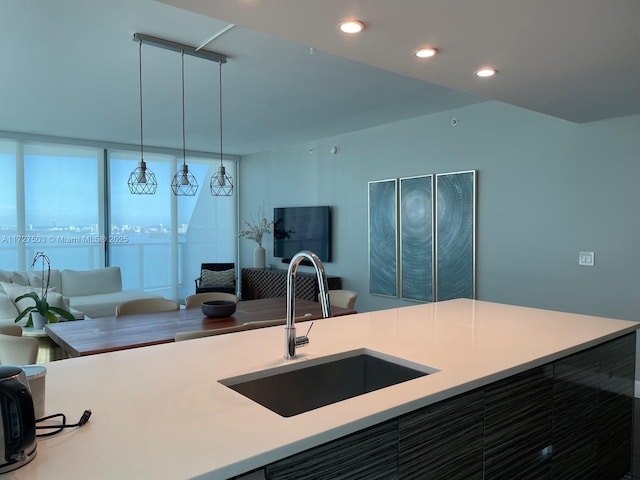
(416,238)
(383,245)
(455,234)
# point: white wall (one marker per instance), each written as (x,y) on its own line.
(547,189)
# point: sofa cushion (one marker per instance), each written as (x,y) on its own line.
(104,304)
(76,283)
(14,291)
(7,307)
(20,278)
(222,278)
(5,276)
(35,279)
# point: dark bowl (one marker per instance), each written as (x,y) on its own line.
(218,308)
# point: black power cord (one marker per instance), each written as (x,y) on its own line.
(58,428)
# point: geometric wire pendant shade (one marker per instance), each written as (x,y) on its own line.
(183,182)
(221,184)
(142,181)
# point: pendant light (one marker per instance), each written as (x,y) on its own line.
(221,183)
(184,183)
(142,181)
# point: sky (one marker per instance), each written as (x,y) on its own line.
(62,191)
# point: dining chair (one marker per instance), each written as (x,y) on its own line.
(195,300)
(343,298)
(146,305)
(16,350)
(181,336)
(14,330)
(216,277)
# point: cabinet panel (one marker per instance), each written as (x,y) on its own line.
(370,454)
(617,378)
(569,420)
(443,441)
(518,426)
(269,283)
(575,416)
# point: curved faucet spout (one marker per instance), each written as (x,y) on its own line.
(291,341)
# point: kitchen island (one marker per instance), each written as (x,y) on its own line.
(160,412)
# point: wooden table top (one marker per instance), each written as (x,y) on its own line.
(99,335)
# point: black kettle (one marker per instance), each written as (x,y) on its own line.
(18,434)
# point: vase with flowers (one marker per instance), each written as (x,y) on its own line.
(40,312)
(256,229)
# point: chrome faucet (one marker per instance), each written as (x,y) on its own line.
(290,339)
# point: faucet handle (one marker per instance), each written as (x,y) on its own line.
(307,334)
(303,339)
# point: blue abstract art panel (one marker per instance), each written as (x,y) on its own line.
(416,238)
(383,257)
(455,235)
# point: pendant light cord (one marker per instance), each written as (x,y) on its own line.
(184,148)
(220,84)
(140,81)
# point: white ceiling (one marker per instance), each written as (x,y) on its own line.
(70,67)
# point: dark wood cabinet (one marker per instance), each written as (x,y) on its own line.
(567,420)
(269,283)
(575,416)
(443,441)
(368,454)
(517,426)
(615,413)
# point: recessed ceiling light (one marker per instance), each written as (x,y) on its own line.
(486,72)
(426,52)
(351,26)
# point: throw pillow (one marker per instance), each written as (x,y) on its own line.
(7,308)
(5,276)
(20,278)
(56,299)
(14,291)
(35,280)
(223,278)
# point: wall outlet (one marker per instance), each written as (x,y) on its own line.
(586,258)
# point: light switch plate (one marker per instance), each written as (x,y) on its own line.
(586,258)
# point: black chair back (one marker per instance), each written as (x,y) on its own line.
(215,267)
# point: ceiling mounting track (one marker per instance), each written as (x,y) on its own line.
(180,47)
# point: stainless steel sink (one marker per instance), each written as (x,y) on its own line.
(302,386)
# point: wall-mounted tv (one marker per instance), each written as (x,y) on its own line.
(302,228)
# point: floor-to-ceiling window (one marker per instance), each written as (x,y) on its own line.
(65,200)
(160,240)
(140,225)
(62,205)
(49,202)
(8,208)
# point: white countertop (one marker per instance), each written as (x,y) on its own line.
(160,413)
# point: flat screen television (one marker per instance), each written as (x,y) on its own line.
(302,228)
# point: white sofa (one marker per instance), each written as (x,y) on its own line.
(90,293)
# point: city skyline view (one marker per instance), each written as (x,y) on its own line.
(73,201)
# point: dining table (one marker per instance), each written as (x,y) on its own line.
(108,334)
